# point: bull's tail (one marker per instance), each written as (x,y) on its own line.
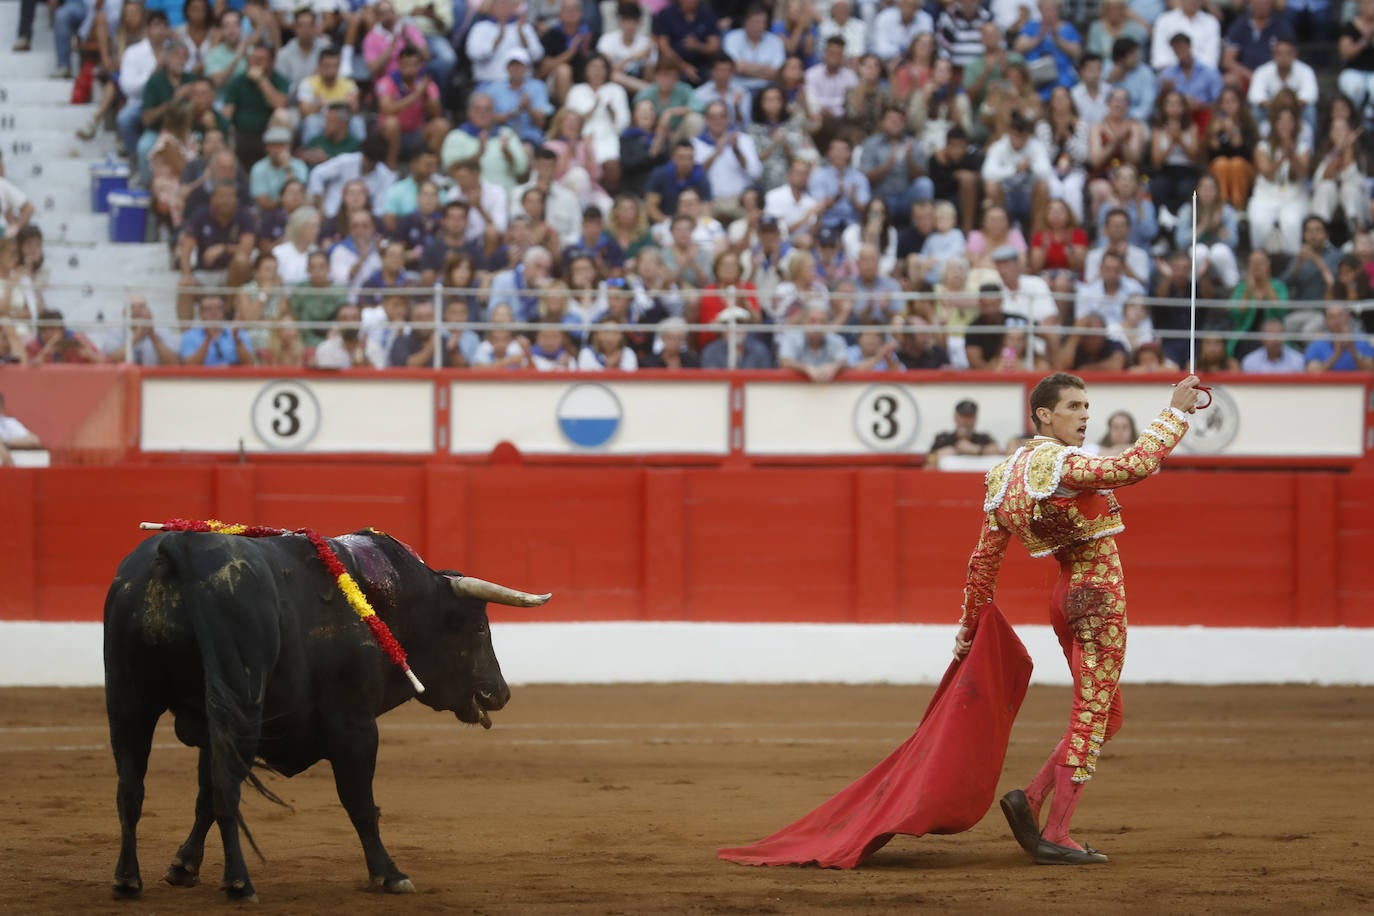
(235,680)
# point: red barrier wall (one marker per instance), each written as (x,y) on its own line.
(631,543)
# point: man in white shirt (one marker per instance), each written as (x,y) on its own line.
(139,62)
(489,40)
(707,231)
(1026,299)
(843,23)
(1273,356)
(1106,296)
(631,52)
(562,210)
(1016,174)
(1188,18)
(730,160)
(1013,15)
(326,183)
(142,342)
(1116,237)
(758,53)
(895,28)
(789,203)
(357,256)
(300,57)
(1285,71)
(1090,94)
(486,200)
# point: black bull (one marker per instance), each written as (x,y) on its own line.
(255,651)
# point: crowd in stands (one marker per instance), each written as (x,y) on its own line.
(992,185)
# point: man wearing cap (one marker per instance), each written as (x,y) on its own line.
(1187,18)
(964,439)
(269,173)
(1200,83)
(490,39)
(1016,174)
(521,103)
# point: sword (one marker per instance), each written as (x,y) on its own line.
(1192,314)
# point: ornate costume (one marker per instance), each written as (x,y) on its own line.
(1058,501)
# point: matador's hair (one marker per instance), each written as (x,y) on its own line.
(1046,392)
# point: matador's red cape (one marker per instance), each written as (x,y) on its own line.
(942,780)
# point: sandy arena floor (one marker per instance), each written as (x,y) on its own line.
(612,800)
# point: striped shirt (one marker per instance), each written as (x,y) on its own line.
(959,38)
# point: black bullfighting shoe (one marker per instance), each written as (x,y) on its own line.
(1047,853)
(1021,820)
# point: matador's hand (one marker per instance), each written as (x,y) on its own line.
(1186,394)
(963,641)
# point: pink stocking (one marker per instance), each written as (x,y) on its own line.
(1043,783)
(1066,793)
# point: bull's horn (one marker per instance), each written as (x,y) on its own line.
(472,587)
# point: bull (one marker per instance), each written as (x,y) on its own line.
(252,647)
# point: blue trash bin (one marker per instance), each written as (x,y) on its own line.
(128,216)
(106,178)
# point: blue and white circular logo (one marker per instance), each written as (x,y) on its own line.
(589,415)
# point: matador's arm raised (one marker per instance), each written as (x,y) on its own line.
(1085,472)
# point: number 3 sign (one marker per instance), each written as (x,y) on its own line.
(286,415)
(886,418)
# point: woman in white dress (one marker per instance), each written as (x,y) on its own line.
(1279,200)
(605,110)
(299,239)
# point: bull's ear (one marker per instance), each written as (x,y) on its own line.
(482,590)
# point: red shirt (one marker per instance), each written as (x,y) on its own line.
(713,303)
(1056,252)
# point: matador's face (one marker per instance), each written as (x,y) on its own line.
(1068,422)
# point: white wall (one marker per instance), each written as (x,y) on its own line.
(69,654)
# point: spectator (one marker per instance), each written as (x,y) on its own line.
(1027,298)
(895,28)
(228,55)
(1310,19)
(1053,39)
(688,263)
(365,169)
(985,335)
(1175,152)
(317,300)
(946,242)
(1257,297)
(996,231)
(818,354)
(1339,180)
(490,40)
(920,348)
(959,32)
(605,111)
(326,96)
(215,248)
(1016,174)
(1128,194)
(549,352)
(1231,139)
(877,297)
(1338,351)
(630,51)
(893,163)
(668,181)
(936,107)
(167,159)
(488,212)
(260,300)
(402,199)
(873,351)
(1273,355)
(723,87)
(561,207)
(1128,72)
(1356,48)
(1285,71)
(749,352)
(382,324)
(357,256)
(577,167)
(1171,314)
(389,36)
(770,261)
(217,166)
(1058,251)
(956,297)
(249,101)
(955,171)
(1089,348)
(271,172)
(518,289)
(796,26)
(1279,202)
(435,21)
(673,101)
(414,347)
(136,67)
(670,349)
(1199,82)
(300,57)
(1150,358)
(55,343)
(842,23)
(729,160)
(983,71)
(166,85)
(841,188)
(140,342)
(1090,94)
(828,83)
(215,343)
(758,54)
(568,44)
(1136,327)
(965,438)
(793,209)
(409,104)
(1188,18)
(1250,41)
(1212,353)
(802,291)
(460,342)
(1106,296)
(1311,275)
(628,227)
(1116,21)
(14,436)
(687,33)
(1218,235)
(729,297)
(643,148)
(594,242)
(876,230)
(607,349)
(344,348)
(1120,435)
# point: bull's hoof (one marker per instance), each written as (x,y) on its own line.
(128,888)
(399,884)
(179,874)
(241,892)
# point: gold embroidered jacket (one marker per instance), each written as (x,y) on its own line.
(1053,497)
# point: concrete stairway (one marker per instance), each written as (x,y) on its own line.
(89,275)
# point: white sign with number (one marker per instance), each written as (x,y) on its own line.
(344,415)
(886,418)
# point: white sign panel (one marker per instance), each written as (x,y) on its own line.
(364,414)
(1248,420)
(568,416)
(865,418)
